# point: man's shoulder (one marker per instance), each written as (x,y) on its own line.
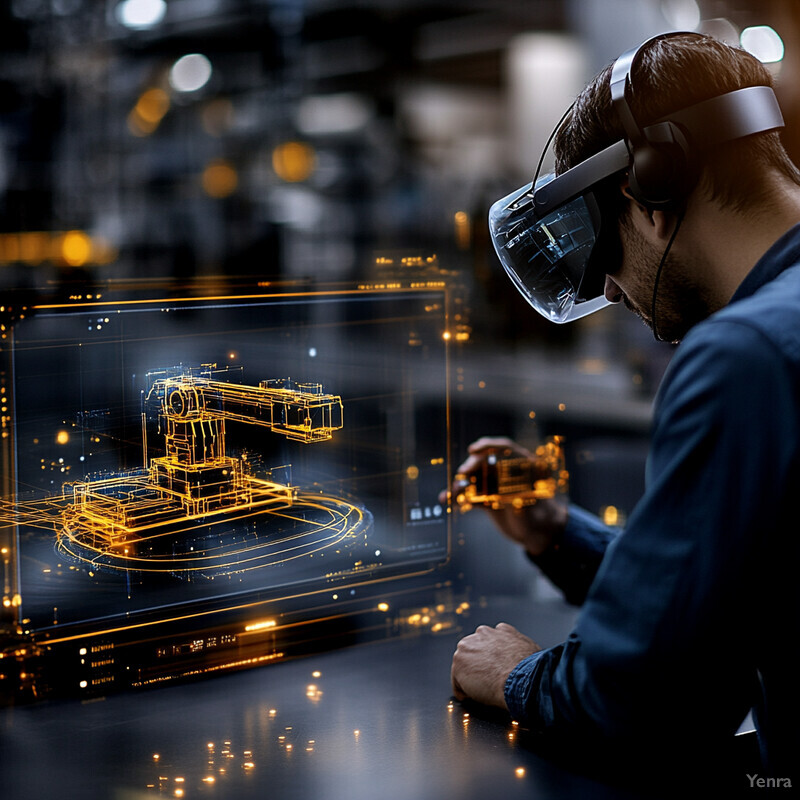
(767,320)
(749,348)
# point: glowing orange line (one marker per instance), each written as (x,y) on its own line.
(171,300)
(327,590)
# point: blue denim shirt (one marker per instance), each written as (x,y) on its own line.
(691,615)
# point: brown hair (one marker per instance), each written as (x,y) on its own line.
(669,74)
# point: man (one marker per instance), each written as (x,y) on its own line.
(690,616)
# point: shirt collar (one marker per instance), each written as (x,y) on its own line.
(784,253)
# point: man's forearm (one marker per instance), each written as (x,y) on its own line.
(574,557)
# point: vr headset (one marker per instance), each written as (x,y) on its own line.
(546,233)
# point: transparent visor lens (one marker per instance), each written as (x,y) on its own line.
(546,258)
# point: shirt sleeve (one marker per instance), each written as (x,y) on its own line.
(659,646)
(572,562)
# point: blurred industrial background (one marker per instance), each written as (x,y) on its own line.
(171,140)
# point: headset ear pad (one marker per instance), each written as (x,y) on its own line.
(660,173)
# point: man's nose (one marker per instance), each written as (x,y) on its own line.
(612,291)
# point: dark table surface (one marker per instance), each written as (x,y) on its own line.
(367,721)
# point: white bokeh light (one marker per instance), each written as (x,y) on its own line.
(683,15)
(141,14)
(763,42)
(190,73)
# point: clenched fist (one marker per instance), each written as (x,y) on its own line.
(484,660)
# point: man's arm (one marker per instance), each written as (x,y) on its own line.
(661,629)
(566,543)
(573,558)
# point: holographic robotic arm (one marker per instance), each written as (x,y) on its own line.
(300,411)
(193,409)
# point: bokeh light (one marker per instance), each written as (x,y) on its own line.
(141,14)
(763,42)
(190,73)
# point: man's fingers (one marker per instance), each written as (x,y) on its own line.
(488,442)
(458,692)
(504,626)
(470,463)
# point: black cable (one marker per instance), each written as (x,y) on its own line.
(548,143)
(681,215)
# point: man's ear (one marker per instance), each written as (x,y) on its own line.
(652,223)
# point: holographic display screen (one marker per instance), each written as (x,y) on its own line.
(199,451)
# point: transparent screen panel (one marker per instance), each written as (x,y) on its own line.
(209,453)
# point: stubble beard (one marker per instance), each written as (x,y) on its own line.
(679,302)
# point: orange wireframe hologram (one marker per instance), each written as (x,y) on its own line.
(137,520)
(507,478)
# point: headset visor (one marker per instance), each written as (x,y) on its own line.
(548,257)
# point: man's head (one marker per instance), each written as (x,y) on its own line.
(671,73)
(680,120)
(667,75)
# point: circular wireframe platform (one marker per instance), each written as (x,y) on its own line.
(227,544)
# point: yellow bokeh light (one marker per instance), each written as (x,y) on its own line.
(220,179)
(293,162)
(62,437)
(412,472)
(76,248)
(463,233)
(611,515)
(33,247)
(152,105)
(148,112)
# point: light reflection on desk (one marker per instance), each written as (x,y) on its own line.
(379,722)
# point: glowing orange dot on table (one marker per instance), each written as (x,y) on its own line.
(520,772)
(293,162)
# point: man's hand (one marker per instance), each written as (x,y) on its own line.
(484,660)
(534,526)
